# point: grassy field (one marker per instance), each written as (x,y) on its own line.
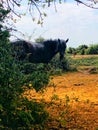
(84,61)
(71,98)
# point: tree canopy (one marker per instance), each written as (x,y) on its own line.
(11,4)
(13,7)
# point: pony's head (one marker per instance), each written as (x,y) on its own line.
(61,47)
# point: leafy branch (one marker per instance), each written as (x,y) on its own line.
(11,4)
(88,4)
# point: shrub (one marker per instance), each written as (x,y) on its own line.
(36,75)
(15,111)
(57,67)
(81,49)
(93,49)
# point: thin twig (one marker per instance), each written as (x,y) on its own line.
(86,4)
(9,8)
(33,1)
(55,6)
(18,4)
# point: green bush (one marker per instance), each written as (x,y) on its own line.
(57,67)
(81,49)
(36,75)
(93,49)
(71,50)
(15,111)
(13,115)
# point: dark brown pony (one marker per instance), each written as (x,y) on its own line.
(39,52)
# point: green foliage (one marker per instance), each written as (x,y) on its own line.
(37,75)
(39,39)
(57,67)
(71,50)
(28,115)
(52,68)
(31,114)
(9,79)
(90,64)
(93,49)
(90,61)
(15,111)
(81,49)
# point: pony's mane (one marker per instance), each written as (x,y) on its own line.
(46,42)
(50,41)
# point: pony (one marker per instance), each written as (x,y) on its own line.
(41,52)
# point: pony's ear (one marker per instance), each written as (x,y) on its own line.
(58,40)
(57,45)
(67,40)
(26,46)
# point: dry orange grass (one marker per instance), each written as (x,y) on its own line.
(83,56)
(73,99)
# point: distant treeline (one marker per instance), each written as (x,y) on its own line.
(83,49)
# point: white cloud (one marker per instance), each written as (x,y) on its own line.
(79,23)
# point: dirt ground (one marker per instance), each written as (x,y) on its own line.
(71,100)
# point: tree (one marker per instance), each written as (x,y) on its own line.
(10,76)
(81,49)
(16,111)
(71,50)
(39,39)
(11,4)
(93,49)
(14,6)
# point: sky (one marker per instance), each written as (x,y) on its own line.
(76,22)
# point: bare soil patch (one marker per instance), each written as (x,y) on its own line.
(71,100)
